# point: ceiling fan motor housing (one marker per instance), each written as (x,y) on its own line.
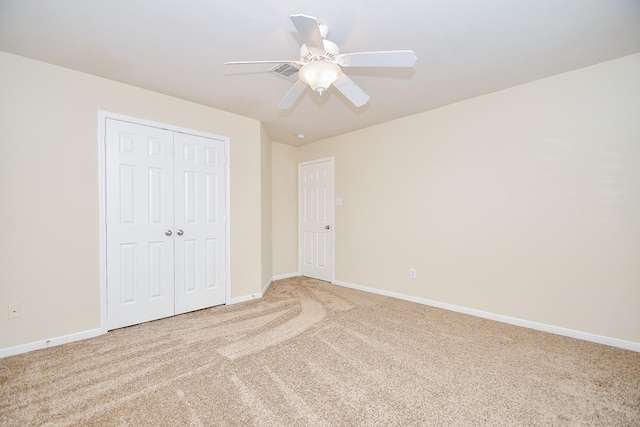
(331,52)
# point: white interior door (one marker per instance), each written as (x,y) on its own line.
(165,223)
(199,171)
(140,253)
(315,195)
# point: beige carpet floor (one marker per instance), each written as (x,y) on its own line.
(314,354)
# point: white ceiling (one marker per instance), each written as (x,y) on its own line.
(465,48)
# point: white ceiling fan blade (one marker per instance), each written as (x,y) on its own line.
(292,96)
(309,30)
(392,58)
(285,61)
(351,90)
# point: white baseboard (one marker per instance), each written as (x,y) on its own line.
(264,289)
(266,286)
(285,276)
(51,342)
(244,298)
(24,348)
(599,339)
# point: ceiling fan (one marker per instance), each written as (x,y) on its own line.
(321,63)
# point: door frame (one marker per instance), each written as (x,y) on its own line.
(102,204)
(332,207)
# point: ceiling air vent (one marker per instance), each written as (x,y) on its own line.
(288,71)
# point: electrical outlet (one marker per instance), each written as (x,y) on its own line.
(412,273)
(14,311)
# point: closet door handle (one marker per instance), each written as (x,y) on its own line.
(168,233)
(179,232)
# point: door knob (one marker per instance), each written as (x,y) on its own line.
(179,232)
(168,232)
(327,227)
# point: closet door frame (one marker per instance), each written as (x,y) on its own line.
(102,118)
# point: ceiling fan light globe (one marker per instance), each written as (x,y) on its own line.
(319,74)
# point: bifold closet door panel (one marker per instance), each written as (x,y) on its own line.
(200,243)
(139,216)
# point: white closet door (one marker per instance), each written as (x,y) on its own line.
(315,195)
(200,186)
(140,248)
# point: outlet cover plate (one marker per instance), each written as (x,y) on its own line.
(14,311)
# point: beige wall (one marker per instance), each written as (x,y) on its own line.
(49,259)
(265,207)
(285,209)
(522,203)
